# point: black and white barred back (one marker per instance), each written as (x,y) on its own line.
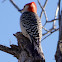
(31,27)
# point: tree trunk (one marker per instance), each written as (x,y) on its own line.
(58,55)
(23,52)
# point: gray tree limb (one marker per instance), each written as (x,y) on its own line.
(58,55)
(23,52)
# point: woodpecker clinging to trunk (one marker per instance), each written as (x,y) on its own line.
(31,24)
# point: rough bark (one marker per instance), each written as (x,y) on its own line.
(58,55)
(23,52)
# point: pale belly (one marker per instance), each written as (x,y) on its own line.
(24,31)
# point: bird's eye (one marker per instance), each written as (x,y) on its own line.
(24,6)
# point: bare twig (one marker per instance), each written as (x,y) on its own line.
(52,20)
(56,13)
(43,9)
(46,37)
(46,15)
(45,4)
(45,29)
(50,31)
(40,5)
(49,34)
(15,5)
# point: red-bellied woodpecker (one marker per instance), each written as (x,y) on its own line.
(31,24)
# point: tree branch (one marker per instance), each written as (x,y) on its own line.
(58,54)
(57,10)
(15,5)
(12,51)
(25,44)
(51,32)
(24,50)
(43,9)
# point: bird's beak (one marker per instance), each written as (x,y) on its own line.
(21,10)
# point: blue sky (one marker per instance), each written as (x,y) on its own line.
(9,24)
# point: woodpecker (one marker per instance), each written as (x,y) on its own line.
(30,24)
